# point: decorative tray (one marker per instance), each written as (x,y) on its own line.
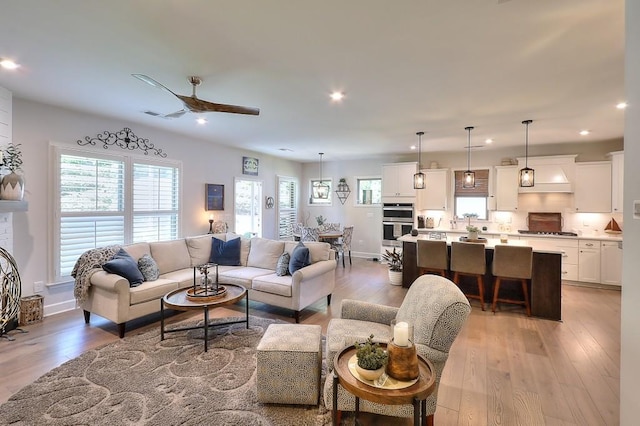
(468,240)
(383,382)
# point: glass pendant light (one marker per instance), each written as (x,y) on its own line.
(527,175)
(419,178)
(469,176)
(321,189)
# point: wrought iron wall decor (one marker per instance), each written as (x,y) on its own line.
(124,139)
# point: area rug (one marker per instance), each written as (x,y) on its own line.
(140,380)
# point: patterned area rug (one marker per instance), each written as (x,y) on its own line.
(141,380)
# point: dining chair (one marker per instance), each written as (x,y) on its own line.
(512,263)
(432,257)
(468,259)
(309,234)
(333,227)
(344,245)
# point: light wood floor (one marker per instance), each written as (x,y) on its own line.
(503,369)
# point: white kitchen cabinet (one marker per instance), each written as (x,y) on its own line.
(506,188)
(593,187)
(397,180)
(567,247)
(617,180)
(589,261)
(611,262)
(435,194)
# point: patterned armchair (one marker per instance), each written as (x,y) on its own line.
(437,309)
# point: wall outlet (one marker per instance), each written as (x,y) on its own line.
(38,286)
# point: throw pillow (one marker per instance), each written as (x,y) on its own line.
(282,267)
(125,266)
(299,258)
(225,252)
(148,267)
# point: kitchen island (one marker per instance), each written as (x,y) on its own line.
(545,286)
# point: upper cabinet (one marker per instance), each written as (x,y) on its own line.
(506,188)
(593,187)
(617,180)
(435,194)
(397,179)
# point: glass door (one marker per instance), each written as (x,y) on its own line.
(248,207)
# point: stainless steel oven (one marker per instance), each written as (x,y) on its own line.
(397,220)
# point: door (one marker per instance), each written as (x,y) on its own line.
(248,207)
(589,261)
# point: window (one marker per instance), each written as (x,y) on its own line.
(313,199)
(287,206)
(363,186)
(94,210)
(472,200)
(248,207)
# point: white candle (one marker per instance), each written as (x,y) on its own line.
(401,334)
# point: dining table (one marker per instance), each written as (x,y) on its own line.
(326,236)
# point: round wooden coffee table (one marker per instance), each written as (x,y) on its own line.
(416,394)
(178,300)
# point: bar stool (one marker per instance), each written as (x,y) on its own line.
(433,257)
(512,263)
(469,259)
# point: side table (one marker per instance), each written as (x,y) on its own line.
(416,394)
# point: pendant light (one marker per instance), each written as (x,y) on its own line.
(418,178)
(527,175)
(469,180)
(320,189)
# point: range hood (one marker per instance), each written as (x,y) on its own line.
(552,174)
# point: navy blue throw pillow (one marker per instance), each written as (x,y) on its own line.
(299,258)
(124,265)
(225,253)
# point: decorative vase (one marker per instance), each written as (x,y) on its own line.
(403,361)
(473,235)
(395,277)
(369,374)
(12,187)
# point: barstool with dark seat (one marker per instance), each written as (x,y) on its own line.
(512,263)
(432,257)
(469,259)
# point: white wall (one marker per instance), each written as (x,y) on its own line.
(630,333)
(35,125)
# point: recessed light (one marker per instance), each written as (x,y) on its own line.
(201,120)
(621,105)
(337,96)
(488,141)
(585,132)
(8,64)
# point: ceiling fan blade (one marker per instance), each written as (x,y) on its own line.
(176,114)
(198,105)
(152,82)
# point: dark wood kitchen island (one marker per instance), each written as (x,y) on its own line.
(545,286)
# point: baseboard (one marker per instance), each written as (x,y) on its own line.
(58,308)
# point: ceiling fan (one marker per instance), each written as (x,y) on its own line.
(193,103)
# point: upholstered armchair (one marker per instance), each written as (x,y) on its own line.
(437,309)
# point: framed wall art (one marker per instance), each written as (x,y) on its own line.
(214,196)
(250,166)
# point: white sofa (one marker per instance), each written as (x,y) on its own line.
(111,297)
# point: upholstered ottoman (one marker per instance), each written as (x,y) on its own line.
(289,363)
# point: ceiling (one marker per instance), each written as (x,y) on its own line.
(417,65)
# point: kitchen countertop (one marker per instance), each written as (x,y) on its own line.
(599,237)
(490,243)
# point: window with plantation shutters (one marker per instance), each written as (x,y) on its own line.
(287,206)
(472,201)
(110,199)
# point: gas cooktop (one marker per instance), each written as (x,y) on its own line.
(567,234)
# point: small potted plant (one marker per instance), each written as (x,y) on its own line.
(321,220)
(394,260)
(473,232)
(342,185)
(372,359)
(12,184)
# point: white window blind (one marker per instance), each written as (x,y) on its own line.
(287,206)
(111,199)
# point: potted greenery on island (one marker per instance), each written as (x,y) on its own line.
(394,261)
(372,359)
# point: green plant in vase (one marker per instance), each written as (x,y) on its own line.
(12,184)
(394,261)
(371,359)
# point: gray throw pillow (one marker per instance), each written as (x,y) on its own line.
(282,267)
(124,265)
(148,267)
